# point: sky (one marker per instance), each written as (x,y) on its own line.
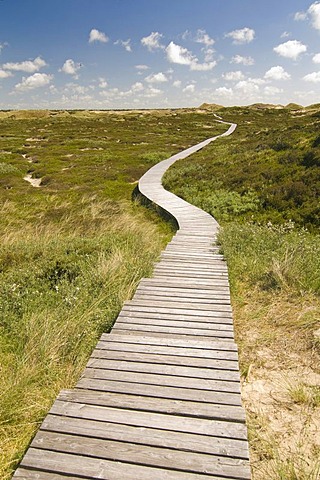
(122,54)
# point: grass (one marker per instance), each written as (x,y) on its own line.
(74,249)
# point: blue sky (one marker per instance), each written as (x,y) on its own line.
(102,54)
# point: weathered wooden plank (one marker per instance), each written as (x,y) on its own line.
(195,322)
(161,315)
(213,266)
(180,370)
(174,336)
(25,474)
(94,468)
(147,436)
(186,303)
(147,456)
(151,404)
(178,423)
(216,286)
(190,343)
(179,310)
(164,380)
(194,354)
(160,391)
(172,292)
(186,270)
(209,282)
(129,327)
(148,288)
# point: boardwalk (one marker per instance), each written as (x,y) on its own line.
(160,397)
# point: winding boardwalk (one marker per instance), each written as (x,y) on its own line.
(160,397)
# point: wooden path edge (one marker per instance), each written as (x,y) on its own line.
(160,396)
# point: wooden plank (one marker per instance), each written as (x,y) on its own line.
(195,322)
(178,423)
(147,436)
(172,273)
(163,380)
(182,293)
(190,343)
(137,313)
(155,286)
(25,474)
(187,304)
(178,310)
(194,354)
(180,370)
(208,282)
(158,391)
(192,264)
(147,456)
(95,468)
(189,408)
(135,328)
(166,335)
(190,285)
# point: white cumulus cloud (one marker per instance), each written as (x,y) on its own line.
(103,82)
(152,92)
(233,76)
(126,44)
(152,42)
(179,55)
(291,49)
(314,13)
(3,45)
(224,91)
(70,67)
(177,83)
(270,90)
(34,81)
(244,35)
(313,77)
(156,78)
(5,74)
(142,67)
(239,59)
(202,67)
(300,16)
(137,87)
(182,56)
(277,73)
(203,37)
(29,66)
(97,36)
(189,88)
(316,58)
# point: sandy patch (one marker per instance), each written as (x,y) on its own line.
(35,182)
